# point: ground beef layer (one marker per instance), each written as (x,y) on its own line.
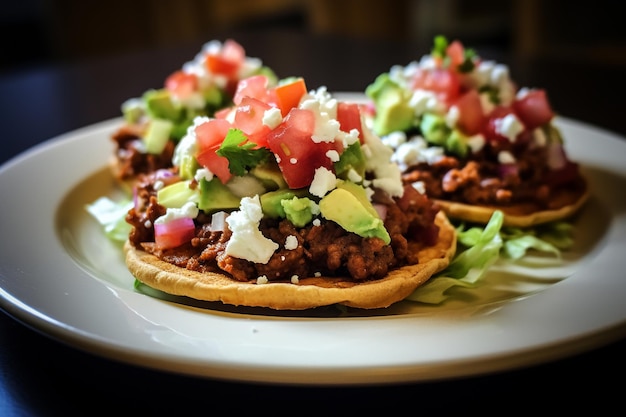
(326,249)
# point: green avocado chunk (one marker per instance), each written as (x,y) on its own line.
(160,105)
(392,103)
(176,195)
(216,196)
(271,202)
(346,209)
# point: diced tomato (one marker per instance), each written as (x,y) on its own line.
(255,87)
(533,109)
(223,113)
(349,117)
(471,117)
(228,61)
(174,233)
(299,155)
(249,118)
(181,84)
(490,131)
(442,81)
(456,52)
(211,133)
(209,137)
(289,95)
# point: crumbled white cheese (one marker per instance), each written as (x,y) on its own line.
(424,100)
(203,173)
(509,126)
(324,180)
(262,280)
(476,142)
(295,279)
(333,155)
(416,150)
(247,241)
(378,161)
(419,186)
(452,116)
(188,210)
(394,139)
(187,145)
(316,222)
(505,157)
(272,117)
(291,242)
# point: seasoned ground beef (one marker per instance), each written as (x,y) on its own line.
(325,249)
(481,180)
(131,160)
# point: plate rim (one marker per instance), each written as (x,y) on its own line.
(47,321)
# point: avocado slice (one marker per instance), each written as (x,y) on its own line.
(216,196)
(346,209)
(271,202)
(176,195)
(393,112)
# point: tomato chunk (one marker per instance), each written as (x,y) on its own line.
(471,118)
(533,109)
(249,118)
(349,117)
(298,155)
(289,95)
(181,84)
(442,81)
(209,137)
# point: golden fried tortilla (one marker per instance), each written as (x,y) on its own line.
(308,292)
(518,215)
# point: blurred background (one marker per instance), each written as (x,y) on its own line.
(33,32)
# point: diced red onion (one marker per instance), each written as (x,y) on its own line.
(381,209)
(174,233)
(218,221)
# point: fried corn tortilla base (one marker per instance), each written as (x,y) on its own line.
(308,293)
(519,215)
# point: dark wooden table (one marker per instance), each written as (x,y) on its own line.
(40,376)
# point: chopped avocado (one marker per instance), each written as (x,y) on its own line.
(299,211)
(270,175)
(176,195)
(457,143)
(347,210)
(188,166)
(393,110)
(132,110)
(271,202)
(359,192)
(157,135)
(434,128)
(216,196)
(159,105)
(351,158)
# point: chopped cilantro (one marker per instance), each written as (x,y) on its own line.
(439,48)
(468,63)
(242,155)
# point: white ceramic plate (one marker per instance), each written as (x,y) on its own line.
(60,275)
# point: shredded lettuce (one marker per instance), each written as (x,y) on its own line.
(111,216)
(479,248)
